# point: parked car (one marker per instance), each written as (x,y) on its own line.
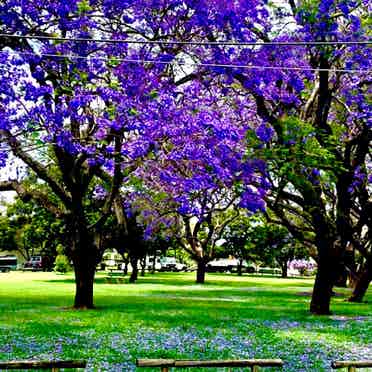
(165,264)
(168,264)
(228,265)
(37,263)
(8,263)
(221,265)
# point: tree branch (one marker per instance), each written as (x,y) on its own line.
(38,168)
(27,194)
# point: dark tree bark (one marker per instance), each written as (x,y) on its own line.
(134,275)
(341,279)
(84,279)
(284,268)
(84,256)
(362,283)
(153,263)
(327,262)
(126,263)
(200,272)
(322,292)
(240,267)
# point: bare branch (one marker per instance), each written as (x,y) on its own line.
(38,168)
(26,194)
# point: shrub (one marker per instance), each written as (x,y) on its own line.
(62,264)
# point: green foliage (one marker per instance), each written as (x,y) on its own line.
(61,264)
(34,230)
(253,239)
(7,232)
(83,6)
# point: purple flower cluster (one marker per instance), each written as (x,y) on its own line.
(358,179)
(303,266)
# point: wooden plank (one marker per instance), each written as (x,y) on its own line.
(155,362)
(230,363)
(209,363)
(351,363)
(43,364)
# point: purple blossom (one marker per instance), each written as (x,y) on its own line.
(265,132)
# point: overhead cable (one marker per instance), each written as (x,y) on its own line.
(195,43)
(182,63)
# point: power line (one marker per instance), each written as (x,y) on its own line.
(198,43)
(191,64)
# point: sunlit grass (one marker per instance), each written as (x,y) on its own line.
(167,315)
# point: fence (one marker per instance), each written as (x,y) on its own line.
(351,365)
(165,364)
(54,365)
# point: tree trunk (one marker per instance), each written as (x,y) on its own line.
(143,266)
(153,263)
(342,272)
(322,292)
(200,272)
(134,274)
(284,268)
(341,280)
(240,268)
(84,256)
(84,279)
(362,284)
(126,263)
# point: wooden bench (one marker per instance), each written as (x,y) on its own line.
(53,365)
(166,364)
(114,280)
(115,277)
(351,365)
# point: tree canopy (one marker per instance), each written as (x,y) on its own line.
(191,98)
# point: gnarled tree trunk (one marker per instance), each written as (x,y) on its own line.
(201,270)
(362,283)
(84,257)
(322,292)
(328,260)
(84,280)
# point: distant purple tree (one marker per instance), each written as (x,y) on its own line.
(198,176)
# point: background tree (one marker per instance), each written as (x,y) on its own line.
(239,240)
(34,230)
(7,234)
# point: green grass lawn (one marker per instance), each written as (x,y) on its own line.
(168,316)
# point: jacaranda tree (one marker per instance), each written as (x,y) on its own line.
(198,173)
(311,107)
(76,111)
